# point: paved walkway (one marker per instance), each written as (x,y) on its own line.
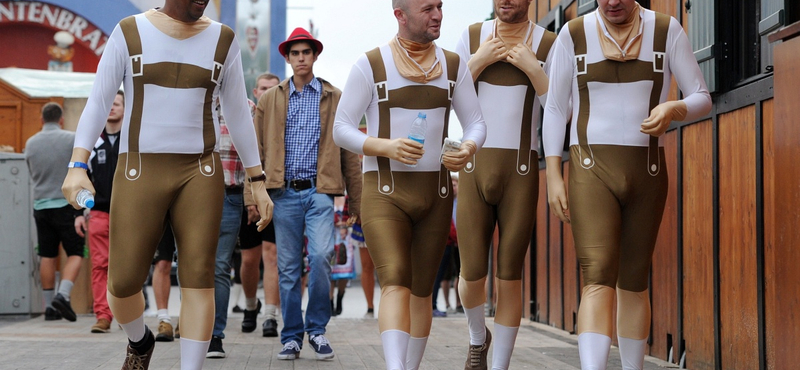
(32,343)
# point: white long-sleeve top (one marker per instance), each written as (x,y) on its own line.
(172,118)
(503,106)
(617,110)
(360,96)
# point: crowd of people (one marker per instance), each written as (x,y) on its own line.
(224,172)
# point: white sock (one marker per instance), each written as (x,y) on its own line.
(270,311)
(416,348)
(477,325)
(593,349)
(395,348)
(134,329)
(163,315)
(236,291)
(193,353)
(503,342)
(631,352)
(47,296)
(251,303)
(65,288)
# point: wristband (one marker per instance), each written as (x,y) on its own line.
(261,177)
(78,165)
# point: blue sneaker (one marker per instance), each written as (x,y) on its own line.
(321,346)
(291,351)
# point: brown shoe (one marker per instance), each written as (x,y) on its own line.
(101,326)
(476,357)
(165,332)
(139,361)
(178,330)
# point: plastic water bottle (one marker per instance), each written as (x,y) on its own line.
(417,131)
(85,198)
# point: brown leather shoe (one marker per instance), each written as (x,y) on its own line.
(165,332)
(139,361)
(101,326)
(476,357)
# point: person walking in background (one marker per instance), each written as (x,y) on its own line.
(305,170)
(407,190)
(47,155)
(165,58)
(621,59)
(367,269)
(252,256)
(508,57)
(102,165)
(161,282)
(450,266)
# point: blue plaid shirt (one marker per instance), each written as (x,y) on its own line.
(302,131)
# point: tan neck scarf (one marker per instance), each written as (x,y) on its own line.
(175,28)
(513,34)
(416,62)
(627,36)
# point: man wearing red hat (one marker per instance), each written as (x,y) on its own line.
(305,170)
(407,187)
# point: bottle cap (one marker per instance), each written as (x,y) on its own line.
(90,203)
(422,115)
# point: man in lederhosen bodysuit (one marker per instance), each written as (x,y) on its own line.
(407,210)
(500,186)
(615,66)
(174,64)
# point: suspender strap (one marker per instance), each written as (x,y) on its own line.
(131,32)
(474,31)
(659,49)
(409,98)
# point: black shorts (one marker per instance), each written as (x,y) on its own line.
(249,237)
(166,246)
(56,226)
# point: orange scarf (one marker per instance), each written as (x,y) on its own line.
(416,62)
(627,36)
(513,34)
(175,28)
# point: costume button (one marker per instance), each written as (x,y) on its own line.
(523,167)
(444,190)
(385,188)
(132,172)
(469,165)
(207,168)
(653,168)
(587,161)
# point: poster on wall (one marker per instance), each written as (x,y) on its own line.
(253,33)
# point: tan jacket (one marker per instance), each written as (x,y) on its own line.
(337,168)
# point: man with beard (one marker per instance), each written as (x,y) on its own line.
(500,186)
(407,192)
(168,57)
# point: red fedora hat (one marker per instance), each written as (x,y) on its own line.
(299,34)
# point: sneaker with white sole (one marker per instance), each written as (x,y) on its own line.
(321,347)
(215,348)
(290,351)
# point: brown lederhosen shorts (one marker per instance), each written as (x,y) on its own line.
(406,231)
(166,183)
(616,208)
(496,193)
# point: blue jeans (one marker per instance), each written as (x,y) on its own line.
(295,212)
(228,232)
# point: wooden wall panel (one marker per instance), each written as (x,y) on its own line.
(664,6)
(770,294)
(571,277)
(783,286)
(698,240)
(542,7)
(571,12)
(542,276)
(737,240)
(555,297)
(664,275)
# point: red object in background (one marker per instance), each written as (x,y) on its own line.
(26,34)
